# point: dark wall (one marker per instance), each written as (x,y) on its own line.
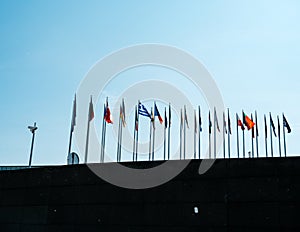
(234,195)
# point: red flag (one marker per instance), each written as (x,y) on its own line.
(248,122)
(107,115)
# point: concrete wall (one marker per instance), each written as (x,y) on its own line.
(234,195)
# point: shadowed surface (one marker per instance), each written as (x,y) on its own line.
(234,195)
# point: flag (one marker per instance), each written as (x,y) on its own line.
(239,122)
(247,121)
(286,124)
(169,115)
(166,121)
(252,129)
(122,113)
(224,123)
(216,120)
(91,111)
(152,118)
(272,125)
(195,121)
(156,113)
(73,122)
(107,116)
(266,129)
(136,119)
(209,123)
(278,123)
(143,111)
(185,118)
(229,123)
(200,120)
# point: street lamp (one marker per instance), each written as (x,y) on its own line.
(32,130)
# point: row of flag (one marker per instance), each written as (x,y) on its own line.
(247,122)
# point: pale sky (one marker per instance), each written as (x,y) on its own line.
(251,48)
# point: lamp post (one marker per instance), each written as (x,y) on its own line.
(32,130)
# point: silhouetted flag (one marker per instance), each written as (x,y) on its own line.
(286,124)
(239,122)
(266,129)
(248,122)
(253,134)
(185,118)
(216,120)
(156,113)
(209,123)
(200,120)
(278,123)
(224,122)
(256,125)
(272,125)
(166,120)
(229,123)
(73,122)
(143,111)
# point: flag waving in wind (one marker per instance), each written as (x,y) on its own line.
(239,122)
(143,111)
(107,115)
(185,117)
(248,122)
(272,125)
(156,113)
(122,113)
(216,120)
(286,124)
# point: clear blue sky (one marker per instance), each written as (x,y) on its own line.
(252,49)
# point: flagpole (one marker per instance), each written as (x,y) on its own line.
(229,131)
(224,135)
(209,135)
(284,142)
(32,129)
(252,138)
(199,130)
(271,137)
(150,138)
(279,144)
(153,139)
(102,138)
(184,133)
(137,139)
(244,153)
(87,140)
(165,129)
(215,154)
(169,131)
(256,137)
(134,133)
(72,124)
(266,136)
(237,136)
(119,138)
(180,134)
